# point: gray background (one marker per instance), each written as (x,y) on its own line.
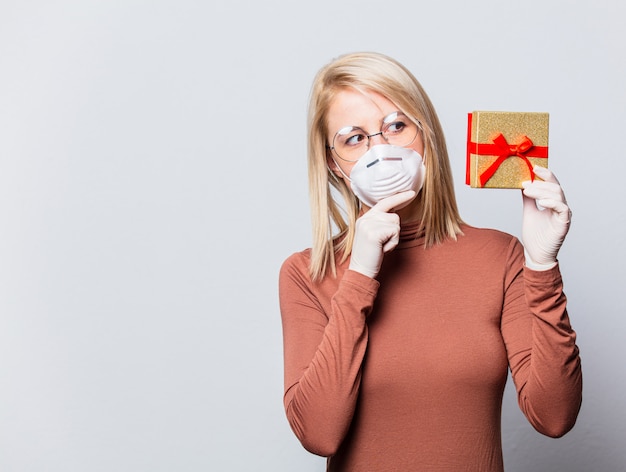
(153,179)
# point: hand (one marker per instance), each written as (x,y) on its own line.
(377,232)
(544,229)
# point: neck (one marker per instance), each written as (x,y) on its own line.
(412,213)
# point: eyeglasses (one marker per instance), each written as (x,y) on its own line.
(351,142)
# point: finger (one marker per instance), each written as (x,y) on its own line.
(556,206)
(545,174)
(543,194)
(391,242)
(529,203)
(538,189)
(388,204)
(541,184)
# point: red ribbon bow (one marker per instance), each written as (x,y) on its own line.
(504,150)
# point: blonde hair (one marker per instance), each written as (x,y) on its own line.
(384,75)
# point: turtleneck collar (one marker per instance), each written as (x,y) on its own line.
(411,235)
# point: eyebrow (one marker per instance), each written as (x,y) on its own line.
(382,121)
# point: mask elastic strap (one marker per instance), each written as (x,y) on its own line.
(340,169)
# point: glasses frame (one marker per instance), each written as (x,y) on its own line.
(386,121)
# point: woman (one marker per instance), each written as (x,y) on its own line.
(399,329)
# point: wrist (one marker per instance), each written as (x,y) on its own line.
(362,270)
(534,265)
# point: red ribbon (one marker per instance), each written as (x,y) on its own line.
(501,148)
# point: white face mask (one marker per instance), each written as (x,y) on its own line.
(385,170)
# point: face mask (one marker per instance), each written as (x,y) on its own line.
(385,170)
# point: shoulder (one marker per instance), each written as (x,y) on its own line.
(491,244)
(296,287)
(297,259)
(473,234)
(296,265)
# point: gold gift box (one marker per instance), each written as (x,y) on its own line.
(502,147)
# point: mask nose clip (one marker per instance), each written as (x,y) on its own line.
(377,160)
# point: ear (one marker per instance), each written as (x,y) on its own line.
(332,165)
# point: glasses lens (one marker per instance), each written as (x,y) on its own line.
(350,143)
(399,130)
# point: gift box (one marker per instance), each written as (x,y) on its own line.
(503,147)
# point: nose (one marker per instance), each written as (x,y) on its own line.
(379,135)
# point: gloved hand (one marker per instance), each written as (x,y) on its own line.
(377,232)
(544,227)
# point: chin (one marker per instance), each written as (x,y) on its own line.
(411,203)
(404,205)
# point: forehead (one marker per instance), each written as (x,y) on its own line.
(358,108)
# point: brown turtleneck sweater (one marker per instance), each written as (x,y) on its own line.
(407,372)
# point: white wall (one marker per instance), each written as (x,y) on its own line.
(153,179)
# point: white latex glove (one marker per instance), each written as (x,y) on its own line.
(544,227)
(377,232)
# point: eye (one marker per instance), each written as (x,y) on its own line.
(355,139)
(395,127)
(351,136)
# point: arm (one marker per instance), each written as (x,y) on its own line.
(541,346)
(324,343)
(323,352)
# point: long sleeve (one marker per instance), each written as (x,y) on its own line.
(541,346)
(324,343)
